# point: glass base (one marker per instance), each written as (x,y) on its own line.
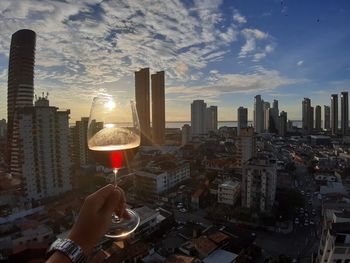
(121,227)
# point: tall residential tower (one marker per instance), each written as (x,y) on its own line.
(158,108)
(344,112)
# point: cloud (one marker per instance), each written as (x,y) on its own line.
(259,80)
(239,18)
(251,49)
(300,62)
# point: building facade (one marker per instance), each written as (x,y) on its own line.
(282,124)
(79,146)
(307,116)
(20,90)
(334,113)
(186,134)
(44,146)
(212,118)
(245,146)
(259,182)
(198,117)
(158,108)
(327,118)
(142,97)
(318,118)
(258,114)
(344,112)
(228,192)
(242,118)
(267,113)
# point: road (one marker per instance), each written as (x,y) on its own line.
(303,241)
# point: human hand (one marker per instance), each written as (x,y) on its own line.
(95,216)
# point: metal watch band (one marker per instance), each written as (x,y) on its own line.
(68,248)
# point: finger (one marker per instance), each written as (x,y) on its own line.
(120,207)
(98,198)
(111,202)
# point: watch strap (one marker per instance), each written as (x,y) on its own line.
(68,248)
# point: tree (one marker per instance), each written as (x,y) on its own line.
(288,200)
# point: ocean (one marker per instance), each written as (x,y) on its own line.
(179,124)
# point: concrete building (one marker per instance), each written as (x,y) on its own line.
(20,90)
(267,112)
(228,192)
(245,146)
(344,112)
(242,118)
(153,181)
(158,108)
(282,124)
(307,116)
(3,128)
(79,147)
(212,118)
(258,114)
(142,97)
(334,113)
(327,118)
(318,118)
(259,182)
(335,237)
(186,134)
(198,117)
(44,147)
(274,113)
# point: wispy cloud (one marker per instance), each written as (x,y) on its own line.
(300,62)
(239,18)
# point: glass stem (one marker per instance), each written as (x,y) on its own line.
(115,171)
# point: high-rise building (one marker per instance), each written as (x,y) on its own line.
(245,146)
(312,118)
(158,108)
(258,114)
(307,116)
(20,89)
(334,113)
(198,117)
(186,134)
(228,192)
(44,146)
(327,118)
(344,113)
(142,97)
(318,118)
(3,128)
(212,118)
(282,122)
(242,118)
(259,181)
(266,110)
(79,147)
(274,114)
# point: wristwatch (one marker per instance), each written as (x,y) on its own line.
(68,248)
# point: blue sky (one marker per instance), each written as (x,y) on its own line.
(224,52)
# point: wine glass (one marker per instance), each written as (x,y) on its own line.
(113,138)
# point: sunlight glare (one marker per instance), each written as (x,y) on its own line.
(110,105)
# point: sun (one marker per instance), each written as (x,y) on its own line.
(110,105)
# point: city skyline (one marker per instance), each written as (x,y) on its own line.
(223,52)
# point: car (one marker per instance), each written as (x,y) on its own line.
(302,192)
(312,222)
(183,210)
(179,205)
(306,223)
(310,202)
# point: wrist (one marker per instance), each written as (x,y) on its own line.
(82,242)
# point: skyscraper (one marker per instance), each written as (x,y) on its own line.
(186,134)
(334,113)
(44,145)
(212,118)
(246,146)
(282,124)
(318,118)
(242,118)
(142,97)
(306,116)
(158,108)
(80,151)
(344,113)
(274,113)
(266,110)
(327,118)
(258,114)
(312,118)
(198,117)
(20,89)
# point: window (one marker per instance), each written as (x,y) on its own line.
(339,250)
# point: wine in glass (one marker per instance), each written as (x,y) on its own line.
(113,139)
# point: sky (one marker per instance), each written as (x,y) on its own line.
(222,51)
